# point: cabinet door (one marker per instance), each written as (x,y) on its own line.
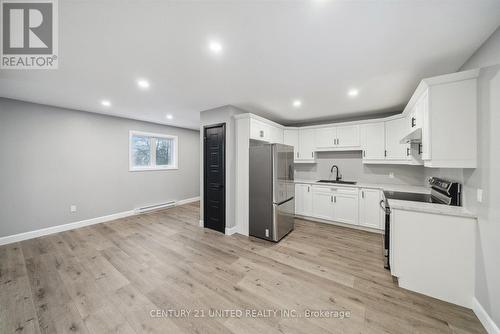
(291,137)
(322,205)
(325,137)
(373,140)
(395,130)
(307,203)
(303,199)
(306,144)
(259,130)
(276,135)
(346,209)
(370,212)
(348,136)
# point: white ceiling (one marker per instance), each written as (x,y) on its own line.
(273,53)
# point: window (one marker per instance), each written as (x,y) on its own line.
(152,151)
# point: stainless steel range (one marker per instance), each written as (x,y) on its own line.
(442,192)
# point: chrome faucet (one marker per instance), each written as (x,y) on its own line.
(337,177)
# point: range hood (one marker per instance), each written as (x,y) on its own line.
(413,137)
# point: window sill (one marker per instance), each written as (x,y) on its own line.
(145,169)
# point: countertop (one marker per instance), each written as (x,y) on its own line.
(440,209)
(381,186)
(404,205)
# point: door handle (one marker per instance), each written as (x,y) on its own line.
(334,199)
(331,199)
(261,133)
(362,194)
(413,122)
(407,151)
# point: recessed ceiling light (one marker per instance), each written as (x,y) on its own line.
(169,116)
(106,103)
(142,83)
(215,47)
(353,92)
(297,103)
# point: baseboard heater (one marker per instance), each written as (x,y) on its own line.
(155,207)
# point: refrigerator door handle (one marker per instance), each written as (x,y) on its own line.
(283,202)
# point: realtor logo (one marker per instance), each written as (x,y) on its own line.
(29,34)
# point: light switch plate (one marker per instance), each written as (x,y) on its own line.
(72,208)
(479,195)
(391,175)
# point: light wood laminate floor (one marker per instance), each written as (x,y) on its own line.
(113,277)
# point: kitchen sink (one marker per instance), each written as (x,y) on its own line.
(338,182)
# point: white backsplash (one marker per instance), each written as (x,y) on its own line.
(352,169)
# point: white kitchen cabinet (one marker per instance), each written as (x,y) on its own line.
(339,204)
(395,130)
(265,132)
(303,199)
(445,107)
(371,213)
(325,138)
(323,203)
(276,135)
(259,130)
(306,145)
(291,137)
(348,136)
(337,138)
(345,208)
(373,141)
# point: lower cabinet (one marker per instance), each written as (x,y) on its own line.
(371,213)
(348,205)
(335,203)
(323,203)
(303,199)
(346,208)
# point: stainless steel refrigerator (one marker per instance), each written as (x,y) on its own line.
(272,191)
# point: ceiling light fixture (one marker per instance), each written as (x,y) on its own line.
(353,92)
(297,103)
(169,116)
(106,103)
(215,47)
(143,84)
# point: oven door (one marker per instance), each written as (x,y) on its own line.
(387,234)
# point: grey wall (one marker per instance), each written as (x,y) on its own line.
(487,55)
(352,168)
(487,177)
(225,115)
(52,158)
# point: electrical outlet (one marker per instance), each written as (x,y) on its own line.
(72,208)
(391,175)
(267,233)
(479,195)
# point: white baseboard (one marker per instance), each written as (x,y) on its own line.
(70,226)
(484,317)
(65,227)
(231,230)
(187,200)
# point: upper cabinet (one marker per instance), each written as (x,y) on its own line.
(444,111)
(303,144)
(337,138)
(395,130)
(306,146)
(291,137)
(373,141)
(265,132)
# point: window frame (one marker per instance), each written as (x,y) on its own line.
(152,144)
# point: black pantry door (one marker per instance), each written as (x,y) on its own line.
(214,208)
